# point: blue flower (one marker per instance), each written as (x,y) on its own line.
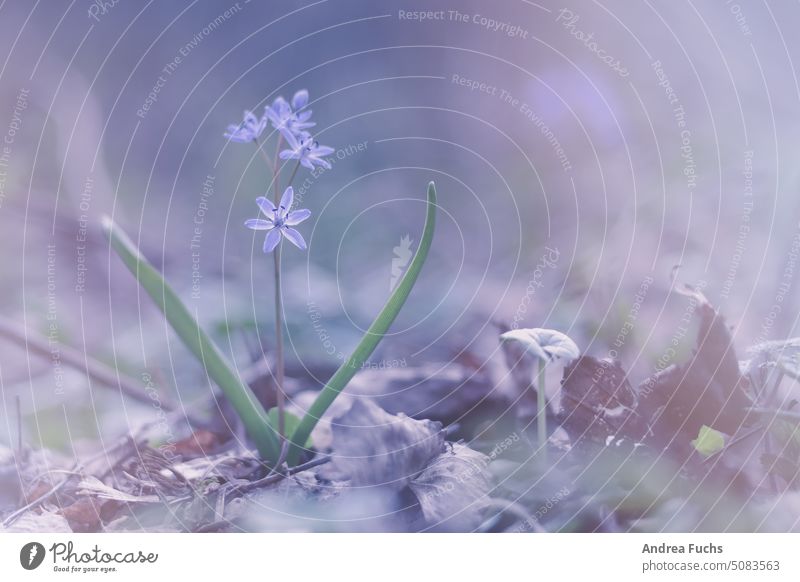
(289,118)
(279,221)
(306,150)
(250,129)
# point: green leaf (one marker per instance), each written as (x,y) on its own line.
(291,422)
(371,338)
(188,329)
(708,441)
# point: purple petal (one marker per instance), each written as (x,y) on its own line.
(287,154)
(280,105)
(258,224)
(297,216)
(306,163)
(271,240)
(286,201)
(304,115)
(323,150)
(294,237)
(300,99)
(290,137)
(266,206)
(272,116)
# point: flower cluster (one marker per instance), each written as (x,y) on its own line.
(292,121)
(250,129)
(289,119)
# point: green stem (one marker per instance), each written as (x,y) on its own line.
(371,338)
(294,173)
(265,157)
(541,409)
(280,396)
(188,329)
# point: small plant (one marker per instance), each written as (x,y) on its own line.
(545,345)
(277,435)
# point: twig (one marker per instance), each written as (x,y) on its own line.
(271,479)
(784,414)
(284,451)
(99,372)
(268,480)
(36,502)
(736,440)
(19,427)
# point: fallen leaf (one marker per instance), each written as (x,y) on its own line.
(201,442)
(598,401)
(84,515)
(443,392)
(707,390)
(453,490)
(41,488)
(708,441)
(372,447)
(44,522)
(94,487)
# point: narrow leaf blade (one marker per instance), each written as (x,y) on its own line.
(188,329)
(371,338)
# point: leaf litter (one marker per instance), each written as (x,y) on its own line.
(424,449)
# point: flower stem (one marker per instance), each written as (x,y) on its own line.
(280,396)
(265,157)
(541,410)
(294,173)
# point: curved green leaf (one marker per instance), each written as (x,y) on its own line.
(371,338)
(245,403)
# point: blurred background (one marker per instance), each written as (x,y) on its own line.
(588,157)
